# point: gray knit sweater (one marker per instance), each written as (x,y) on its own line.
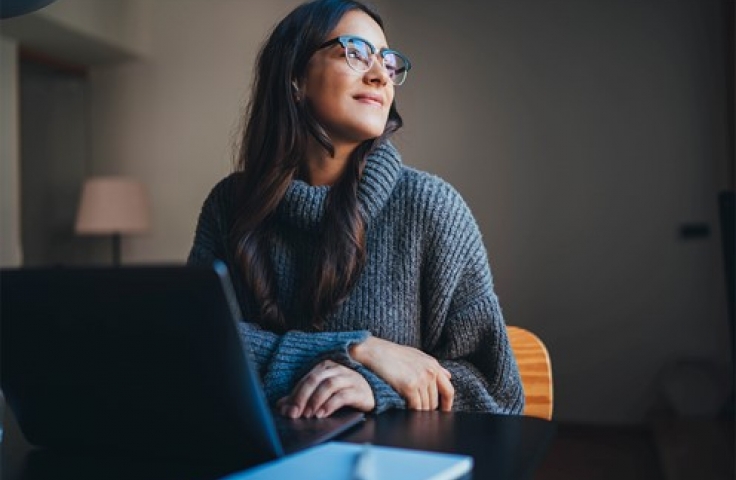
(426,284)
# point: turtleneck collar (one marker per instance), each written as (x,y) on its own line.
(303,205)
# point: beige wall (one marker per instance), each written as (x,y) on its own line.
(122,23)
(582,134)
(85,31)
(171,118)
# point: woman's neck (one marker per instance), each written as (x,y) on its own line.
(322,169)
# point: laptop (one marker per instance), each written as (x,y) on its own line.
(143,360)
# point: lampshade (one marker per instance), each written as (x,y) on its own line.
(112,205)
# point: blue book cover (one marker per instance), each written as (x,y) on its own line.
(350,461)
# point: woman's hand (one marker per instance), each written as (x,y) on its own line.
(416,376)
(328,387)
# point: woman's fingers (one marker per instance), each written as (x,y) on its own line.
(446,393)
(433,400)
(295,403)
(424,400)
(413,400)
(414,374)
(342,398)
(327,387)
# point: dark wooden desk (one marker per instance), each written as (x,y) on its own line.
(503,448)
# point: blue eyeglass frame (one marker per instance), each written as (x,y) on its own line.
(343,40)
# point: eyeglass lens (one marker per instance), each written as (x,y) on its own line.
(359,57)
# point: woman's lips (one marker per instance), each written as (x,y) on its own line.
(369,99)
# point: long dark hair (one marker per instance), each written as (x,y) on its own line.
(277,131)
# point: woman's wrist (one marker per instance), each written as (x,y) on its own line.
(361,352)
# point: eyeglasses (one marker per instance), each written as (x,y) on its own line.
(359,54)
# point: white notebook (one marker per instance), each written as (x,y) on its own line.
(348,461)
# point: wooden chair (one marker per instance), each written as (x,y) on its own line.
(536,371)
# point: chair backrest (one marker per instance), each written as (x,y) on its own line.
(536,371)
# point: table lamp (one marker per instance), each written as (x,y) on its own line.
(113,206)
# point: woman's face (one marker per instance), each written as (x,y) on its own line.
(351,106)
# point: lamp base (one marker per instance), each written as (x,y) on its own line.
(116,255)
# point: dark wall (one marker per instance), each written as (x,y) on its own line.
(585,135)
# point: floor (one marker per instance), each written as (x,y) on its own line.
(633,453)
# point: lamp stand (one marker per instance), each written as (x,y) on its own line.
(116,249)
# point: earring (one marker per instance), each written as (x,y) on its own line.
(297,93)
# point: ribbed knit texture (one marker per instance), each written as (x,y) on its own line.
(426,284)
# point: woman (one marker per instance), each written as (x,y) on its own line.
(364,283)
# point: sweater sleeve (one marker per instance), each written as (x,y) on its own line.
(280,359)
(466,330)
(283,359)
(484,370)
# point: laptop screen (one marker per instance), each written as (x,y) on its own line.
(136,359)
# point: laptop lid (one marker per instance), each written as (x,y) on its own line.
(140,359)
